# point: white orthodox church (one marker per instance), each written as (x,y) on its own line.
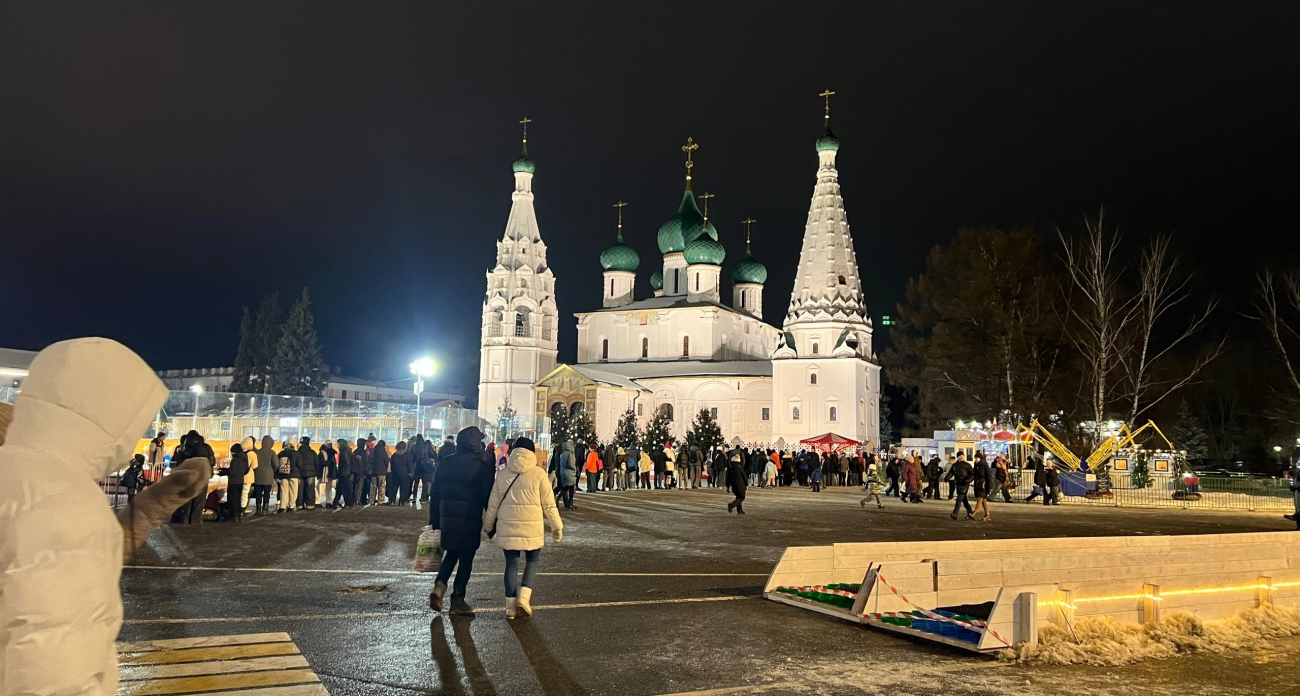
(683,350)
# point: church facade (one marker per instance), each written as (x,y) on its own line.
(685,349)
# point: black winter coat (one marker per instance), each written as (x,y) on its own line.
(290,456)
(359,464)
(238,466)
(379,459)
(962,474)
(327,463)
(982,475)
(403,464)
(304,466)
(737,478)
(460,490)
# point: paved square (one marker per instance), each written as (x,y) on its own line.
(650,593)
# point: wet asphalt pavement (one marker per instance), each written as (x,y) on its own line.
(650,593)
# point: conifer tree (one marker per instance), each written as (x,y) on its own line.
(886,427)
(559,426)
(297,369)
(626,434)
(704,432)
(241,382)
(1187,434)
(658,432)
(267,331)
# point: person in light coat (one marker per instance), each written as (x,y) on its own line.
(249,447)
(519,509)
(80,413)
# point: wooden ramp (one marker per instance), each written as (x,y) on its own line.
(257,664)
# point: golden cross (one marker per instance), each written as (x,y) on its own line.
(705,197)
(688,148)
(620,206)
(525,123)
(827,96)
(747,222)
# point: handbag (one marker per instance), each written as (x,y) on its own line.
(493,531)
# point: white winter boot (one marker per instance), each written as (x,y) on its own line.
(525,596)
(511,603)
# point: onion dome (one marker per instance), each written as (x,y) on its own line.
(657,280)
(828,141)
(620,257)
(705,250)
(688,215)
(700,230)
(523,164)
(749,271)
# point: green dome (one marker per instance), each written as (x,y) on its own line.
(523,164)
(749,271)
(688,214)
(699,230)
(828,141)
(705,250)
(620,257)
(657,280)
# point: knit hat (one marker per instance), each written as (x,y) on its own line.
(525,443)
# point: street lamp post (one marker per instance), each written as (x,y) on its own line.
(198,391)
(424,367)
(1277,450)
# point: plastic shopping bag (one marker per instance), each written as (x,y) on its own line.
(428,551)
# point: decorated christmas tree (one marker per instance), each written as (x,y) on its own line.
(704,432)
(559,426)
(583,432)
(626,434)
(658,431)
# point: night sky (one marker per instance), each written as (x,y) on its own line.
(164,164)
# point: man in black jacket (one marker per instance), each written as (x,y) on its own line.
(962,474)
(933,472)
(459,495)
(305,471)
(235,482)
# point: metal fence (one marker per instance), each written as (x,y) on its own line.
(1173,491)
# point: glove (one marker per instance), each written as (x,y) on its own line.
(557,535)
(155,504)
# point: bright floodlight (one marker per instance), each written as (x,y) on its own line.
(423,367)
(197,388)
(1277,448)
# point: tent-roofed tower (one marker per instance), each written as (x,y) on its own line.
(824,379)
(519,337)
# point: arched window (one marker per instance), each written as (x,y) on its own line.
(697,282)
(814,352)
(744,298)
(842,281)
(834,413)
(645,347)
(611,287)
(812,378)
(604,349)
(557,410)
(666,410)
(794,413)
(575,409)
(686,346)
(676,284)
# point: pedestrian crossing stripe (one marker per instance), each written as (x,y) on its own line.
(256,664)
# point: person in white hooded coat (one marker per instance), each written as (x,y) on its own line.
(83,407)
(519,509)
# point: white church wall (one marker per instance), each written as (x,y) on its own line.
(815,387)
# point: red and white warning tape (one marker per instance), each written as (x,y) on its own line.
(821,589)
(977,626)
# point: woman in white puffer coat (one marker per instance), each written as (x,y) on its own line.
(520,508)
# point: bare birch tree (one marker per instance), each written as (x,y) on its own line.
(1162,288)
(1278,311)
(1099,309)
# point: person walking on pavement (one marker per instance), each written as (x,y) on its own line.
(933,472)
(737,479)
(459,496)
(912,478)
(1052,485)
(1001,480)
(1040,480)
(875,484)
(520,508)
(568,474)
(983,479)
(962,475)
